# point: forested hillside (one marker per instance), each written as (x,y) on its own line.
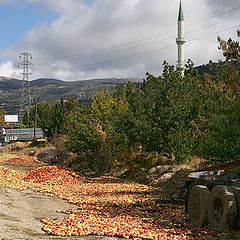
(46,89)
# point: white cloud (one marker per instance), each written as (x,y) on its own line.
(222,5)
(7,69)
(68,48)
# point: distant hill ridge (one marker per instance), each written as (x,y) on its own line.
(48,89)
(12,83)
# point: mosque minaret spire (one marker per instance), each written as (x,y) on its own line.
(180,39)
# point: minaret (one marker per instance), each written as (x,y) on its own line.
(180,39)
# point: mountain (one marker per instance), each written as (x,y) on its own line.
(41,82)
(48,89)
(9,84)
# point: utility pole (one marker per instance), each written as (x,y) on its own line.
(26,100)
(35,122)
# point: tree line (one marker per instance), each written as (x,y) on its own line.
(171,114)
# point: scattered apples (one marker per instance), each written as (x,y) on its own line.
(104,206)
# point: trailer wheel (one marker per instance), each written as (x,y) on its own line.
(192,185)
(236,191)
(197,205)
(222,208)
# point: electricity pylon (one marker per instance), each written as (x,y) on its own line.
(26,99)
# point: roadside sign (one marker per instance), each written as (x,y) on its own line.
(11,118)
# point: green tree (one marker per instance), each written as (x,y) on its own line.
(52,116)
(87,139)
(45,111)
(110,111)
(170,107)
(230,48)
(130,119)
(218,124)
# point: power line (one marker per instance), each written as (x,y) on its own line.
(215,24)
(146,52)
(219,14)
(153,42)
(101,52)
(214,33)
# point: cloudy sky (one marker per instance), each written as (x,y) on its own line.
(83,39)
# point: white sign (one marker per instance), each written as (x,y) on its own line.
(11,118)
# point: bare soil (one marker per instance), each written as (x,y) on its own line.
(21,213)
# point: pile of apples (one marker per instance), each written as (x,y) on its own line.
(49,173)
(5,157)
(22,160)
(12,179)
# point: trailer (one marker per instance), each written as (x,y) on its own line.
(212,198)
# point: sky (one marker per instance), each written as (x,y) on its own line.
(85,39)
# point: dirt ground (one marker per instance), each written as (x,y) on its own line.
(21,213)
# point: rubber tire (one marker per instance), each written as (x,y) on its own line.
(194,183)
(222,208)
(236,191)
(197,205)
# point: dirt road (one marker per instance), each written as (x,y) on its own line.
(21,213)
